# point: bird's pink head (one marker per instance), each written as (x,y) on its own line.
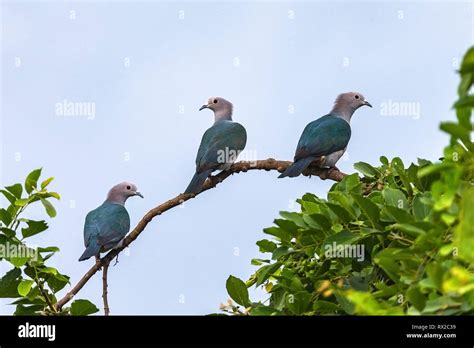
(121,192)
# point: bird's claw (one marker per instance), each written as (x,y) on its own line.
(116,260)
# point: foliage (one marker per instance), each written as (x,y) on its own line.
(410,231)
(31,282)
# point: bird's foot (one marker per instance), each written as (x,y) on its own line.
(116,260)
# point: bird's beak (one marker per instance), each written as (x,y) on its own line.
(139,194)
(367,103)
(203,107)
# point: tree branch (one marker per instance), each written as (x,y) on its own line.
(104,288)
(243,166)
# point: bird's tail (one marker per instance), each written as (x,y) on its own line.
(297,167)
(92,250)
(195,186)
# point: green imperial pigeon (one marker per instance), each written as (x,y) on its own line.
(325,140)
(220,144)
(107,225)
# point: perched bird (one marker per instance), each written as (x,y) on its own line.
(220,144)
(108,224)
(325,140)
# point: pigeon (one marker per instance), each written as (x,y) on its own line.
(107,225)
(325,140)
(220,144)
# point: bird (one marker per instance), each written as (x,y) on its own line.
(107,225)
(325,140)
(220,144)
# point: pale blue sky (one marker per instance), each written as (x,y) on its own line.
(291,55)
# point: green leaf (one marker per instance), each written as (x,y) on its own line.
(34,227)
(83,307)
(9,284)
(16,190)
(438,304)
(28,310)
(7,232)
(46,182)
(320,220)
(24,287)
(57,282)
(395,198)
(416,297)
(346,305)
(340,212)
(262,310)
(457,131)
(464,233)
(279,233)
(52,249)
(384,160)
(5,217)
(388,259)
(258,262)
(39,195)
(266,272)
(366,304)
(237,290)
(10,197)
(466,102)
(350,183)
(22,202)
(345,201)
(280,251)
(297,218)
(343,237)
(32,180)
(399,167)
(395,214)
(434,169)
(266,246)
(410,229)
(366,169)
(369,208)
(49,207)
(467,65)
(298,303)
(287,225)
(18,261)
(421,210)
(49,270)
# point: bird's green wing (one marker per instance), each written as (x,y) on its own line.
(323,136)
(220,142)
(107,224)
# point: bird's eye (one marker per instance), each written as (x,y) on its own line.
(215,101)
(128,187)
(356,96)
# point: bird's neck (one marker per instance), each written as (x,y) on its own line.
(344,112)
(223,113)
(114,198)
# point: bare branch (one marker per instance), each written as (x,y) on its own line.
(243,166)
(104,288)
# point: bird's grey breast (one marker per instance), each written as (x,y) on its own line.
(331,159)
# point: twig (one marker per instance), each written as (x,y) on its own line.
(104,288)
(43,292)
(239,167)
